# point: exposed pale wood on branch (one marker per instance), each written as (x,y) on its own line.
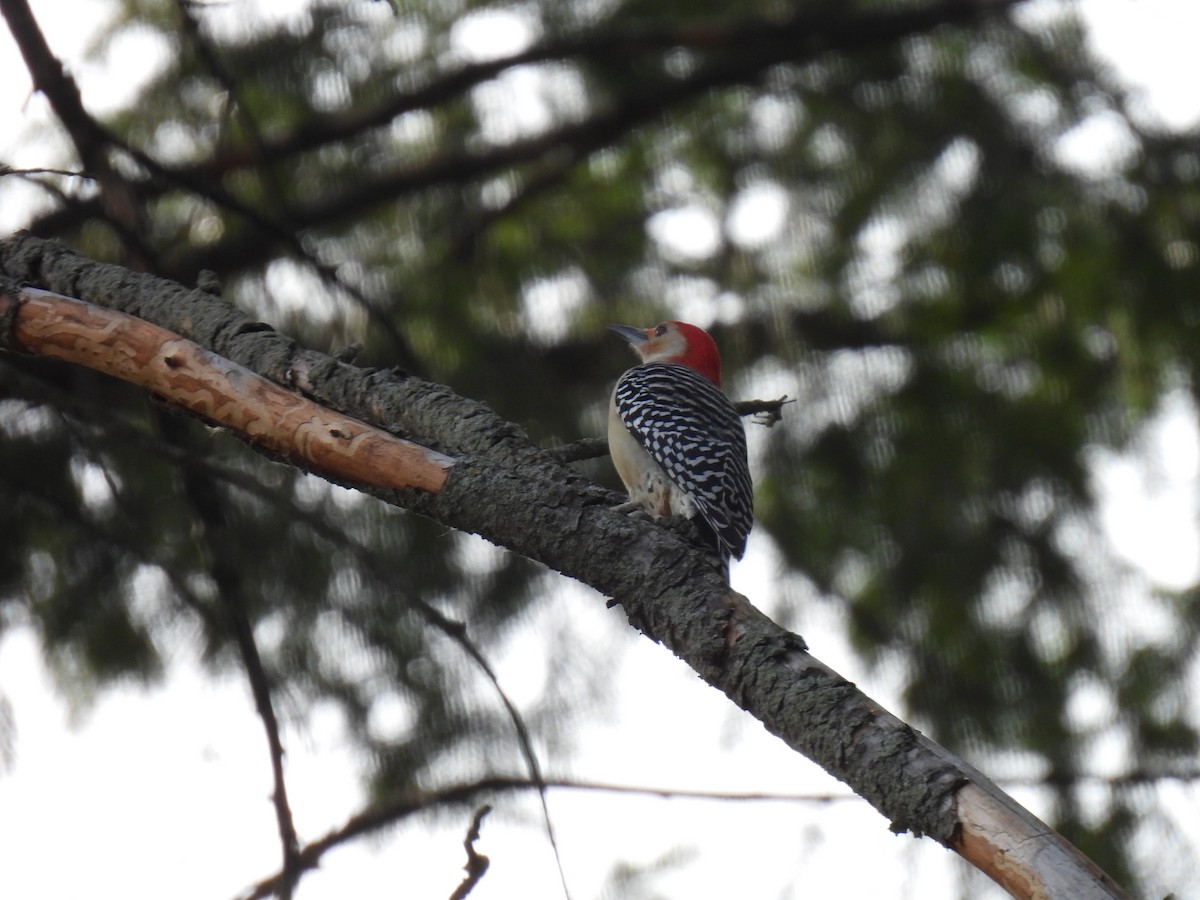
(222,392)
(1023,855)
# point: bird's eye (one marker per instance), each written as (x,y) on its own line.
(660,330)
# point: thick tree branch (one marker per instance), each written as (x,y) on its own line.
(522,498)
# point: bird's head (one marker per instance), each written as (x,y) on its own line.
(675,342)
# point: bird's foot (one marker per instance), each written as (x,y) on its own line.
(631,508)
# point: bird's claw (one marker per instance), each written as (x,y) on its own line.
(631,508)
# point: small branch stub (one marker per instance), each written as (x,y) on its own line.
(766,412)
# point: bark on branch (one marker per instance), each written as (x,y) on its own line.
(521,497)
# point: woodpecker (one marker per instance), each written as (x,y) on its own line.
(675,438)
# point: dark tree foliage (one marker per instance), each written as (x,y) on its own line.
(960,310)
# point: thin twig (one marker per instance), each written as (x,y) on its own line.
(261,688)
(9,170)
(275,191)
(766,412)
(119,197)
(213,535)
(477,863)
(551,173)
(388,813)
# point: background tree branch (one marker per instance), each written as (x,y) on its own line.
(730,54)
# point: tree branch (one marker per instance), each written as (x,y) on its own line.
(121,197)
(791,37)
(260,688)
(728,53)
(518,496)
(26,173)
(389,813)
(280,219)
(117,196)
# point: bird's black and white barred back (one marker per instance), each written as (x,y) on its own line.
(692,430)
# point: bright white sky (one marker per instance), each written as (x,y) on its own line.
(166,792)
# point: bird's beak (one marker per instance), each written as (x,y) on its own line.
(635,336)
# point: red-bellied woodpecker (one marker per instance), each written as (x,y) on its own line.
(675,438)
